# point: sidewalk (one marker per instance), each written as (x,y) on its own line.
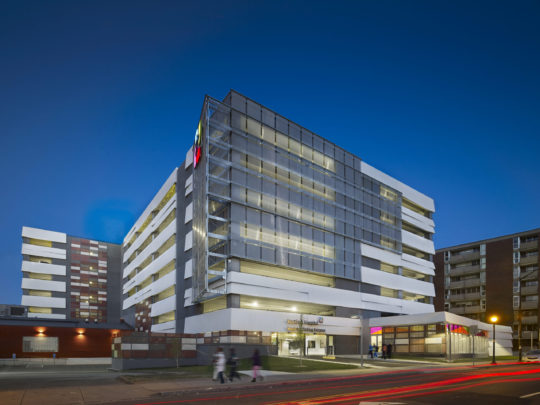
(117,389)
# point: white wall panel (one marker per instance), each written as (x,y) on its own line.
(43,285)
(418,220)
(260,286)
(189,213)
(189,181)
(36,233)
(152,268)
(189,158)
(188,241)
(188,270)
(189,190)
(154,288)
(152,226)
(407,191)
(151,248)
(410,260)
(43,268)
(417,242)
(422,266)
(265,321)
(46,302)
(50,252)
(166,327)
(163,306)
(395,281)
(47,316)
(153,204)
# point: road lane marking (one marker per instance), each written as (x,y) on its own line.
(530,395)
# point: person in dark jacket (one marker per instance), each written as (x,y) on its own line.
(256,359)
(389,350)
(233,364)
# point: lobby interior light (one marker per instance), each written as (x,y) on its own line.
(294,309)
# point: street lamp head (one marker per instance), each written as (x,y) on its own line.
(493,318)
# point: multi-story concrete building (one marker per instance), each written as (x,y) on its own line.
(492,276)
(268,228)
(66,277)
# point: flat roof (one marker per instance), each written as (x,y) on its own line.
(434,317)
(494,239)
(61,323)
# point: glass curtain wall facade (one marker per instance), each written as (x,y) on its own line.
(275,201)
(291,200)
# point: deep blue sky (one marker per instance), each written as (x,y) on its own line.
(99,102)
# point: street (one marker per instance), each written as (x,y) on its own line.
(394,382)
(500,384)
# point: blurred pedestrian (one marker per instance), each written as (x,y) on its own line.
(384,351)
(371,351)
(256,360)
(389,350)
(233,364)
(214,364)
(220,364)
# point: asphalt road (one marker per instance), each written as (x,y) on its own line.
(500,384)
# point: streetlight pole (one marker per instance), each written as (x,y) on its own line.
(493,319)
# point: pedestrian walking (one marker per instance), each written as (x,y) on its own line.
(371,351)
(214,363)
(375,351)
(389,350)
(384,351)
(233,364)
(256,359)
(220,365)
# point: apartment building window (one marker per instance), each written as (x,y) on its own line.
(516,257)
(517,271)
(516,286)
(447,256)
(483,263)
(483,305)
(516,242)
(516,302)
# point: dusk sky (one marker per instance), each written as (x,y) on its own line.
(99,101)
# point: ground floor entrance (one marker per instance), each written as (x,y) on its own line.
(291,344)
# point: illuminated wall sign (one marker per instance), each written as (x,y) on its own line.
(463,330)
(197,146)
(377,330)
(307,325)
